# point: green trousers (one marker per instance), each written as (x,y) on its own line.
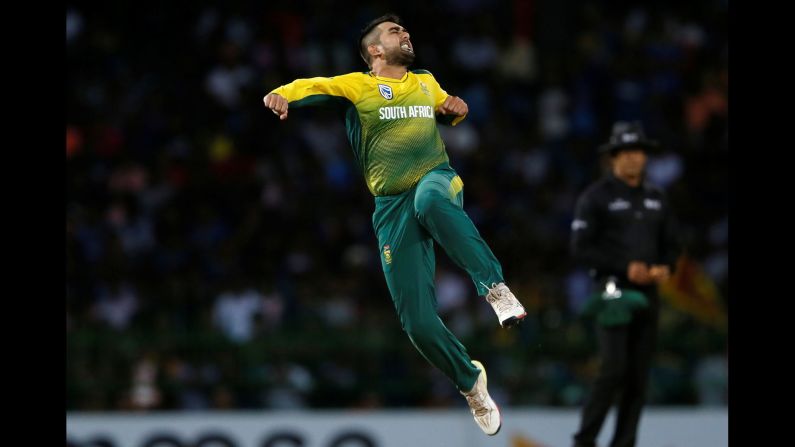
(406,225)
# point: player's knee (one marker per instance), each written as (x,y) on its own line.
(425,202)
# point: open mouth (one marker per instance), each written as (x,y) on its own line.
(405,46)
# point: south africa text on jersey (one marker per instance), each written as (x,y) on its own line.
(391,113)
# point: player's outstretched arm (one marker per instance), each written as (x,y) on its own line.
(277,103)
(334,91)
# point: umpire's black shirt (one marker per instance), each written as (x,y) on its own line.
(615,223)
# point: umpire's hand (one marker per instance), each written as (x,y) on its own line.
(276,103)
(660,273)
(638,272)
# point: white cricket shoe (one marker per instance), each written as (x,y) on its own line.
(509,310)
(486,413)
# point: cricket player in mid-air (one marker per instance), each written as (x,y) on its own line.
(390,116)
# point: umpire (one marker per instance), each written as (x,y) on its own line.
(624,231)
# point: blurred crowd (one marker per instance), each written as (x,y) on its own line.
(218,258)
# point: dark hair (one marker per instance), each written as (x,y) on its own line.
(368,28)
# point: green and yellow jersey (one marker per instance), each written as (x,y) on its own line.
(391,123)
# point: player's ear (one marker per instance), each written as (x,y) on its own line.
(375,49)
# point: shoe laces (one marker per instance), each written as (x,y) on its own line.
(477,402)
(499,297)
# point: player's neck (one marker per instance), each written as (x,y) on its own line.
(383,70)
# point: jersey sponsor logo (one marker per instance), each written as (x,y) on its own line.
(618,205)
(652,204)
(396,112)
(578,224)
(387,254)
(385,91)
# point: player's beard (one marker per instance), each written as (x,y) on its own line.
(398,57)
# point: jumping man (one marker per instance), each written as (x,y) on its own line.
(391,115)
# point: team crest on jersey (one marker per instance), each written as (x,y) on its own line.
(424,89)
(387,254)
(385,91)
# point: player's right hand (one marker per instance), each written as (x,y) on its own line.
(278,104)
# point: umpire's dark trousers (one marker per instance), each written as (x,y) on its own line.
(626,353)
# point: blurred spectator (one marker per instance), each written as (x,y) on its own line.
(145,393)
(518,61)
(225,80)
(665,170)
(291,384)
(116,305)
(452,290)
(235,310)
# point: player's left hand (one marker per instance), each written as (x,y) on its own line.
(453,105)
